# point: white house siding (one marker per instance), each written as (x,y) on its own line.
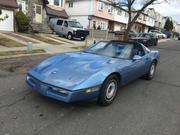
(82,19)
(122,18)
(61,2)
(80,11)
(150,21)
(8,23)
(80,8)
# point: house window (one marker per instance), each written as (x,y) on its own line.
(110,9)
(59,3)
(71,4)
(56,2)
(119,12)
(38,10)
(100,6)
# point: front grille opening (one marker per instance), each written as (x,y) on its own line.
(58,91)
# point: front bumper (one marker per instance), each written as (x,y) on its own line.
(80,34)
(59,93)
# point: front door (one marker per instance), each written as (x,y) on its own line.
(65,28)
(38,13)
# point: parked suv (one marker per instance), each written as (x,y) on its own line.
(68,28)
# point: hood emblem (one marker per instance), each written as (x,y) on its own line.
(54,72)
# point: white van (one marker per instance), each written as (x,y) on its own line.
(68,28)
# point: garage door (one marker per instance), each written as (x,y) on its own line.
(6,20)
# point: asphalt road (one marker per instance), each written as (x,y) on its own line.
(141,108)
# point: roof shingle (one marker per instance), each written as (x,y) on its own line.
(59,13)
(8,3)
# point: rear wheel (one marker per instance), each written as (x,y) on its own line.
(108,90)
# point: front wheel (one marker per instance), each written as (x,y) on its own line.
(151,72)
(70,36)
(108,90)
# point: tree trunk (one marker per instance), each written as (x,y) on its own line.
(126,34)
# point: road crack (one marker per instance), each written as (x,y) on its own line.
(165,83)
(16,102)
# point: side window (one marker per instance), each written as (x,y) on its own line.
(65,23)
(60,22)
(138,50)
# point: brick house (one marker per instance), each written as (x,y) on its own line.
(7,11)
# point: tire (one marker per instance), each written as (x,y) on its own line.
(108,90)
(151,73)
(70,36)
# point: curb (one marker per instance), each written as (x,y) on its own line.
(163,40)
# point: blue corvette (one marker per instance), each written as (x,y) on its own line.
(95,73)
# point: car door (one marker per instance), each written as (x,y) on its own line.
(139,66)
(65,28)
(58,26)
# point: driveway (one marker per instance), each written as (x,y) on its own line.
(141,108)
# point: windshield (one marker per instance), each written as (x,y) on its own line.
(75,24)
(112,49)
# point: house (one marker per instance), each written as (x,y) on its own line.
(144,23)
(158,21)
(92,14)
(39,12)
(177,28)
(7,12)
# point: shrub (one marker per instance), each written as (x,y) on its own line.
(22,21)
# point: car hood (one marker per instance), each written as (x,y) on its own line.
(70,70)
(75,29)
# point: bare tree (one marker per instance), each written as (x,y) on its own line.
(129,7)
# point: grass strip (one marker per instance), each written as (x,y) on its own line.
(6,42)
(20,52)
(40,38)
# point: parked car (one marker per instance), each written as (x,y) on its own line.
(95,73)
(147,39)
(167,33)
(122,32)
(158,34)
(179,37)
(68,28)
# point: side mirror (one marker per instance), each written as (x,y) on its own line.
(136,57)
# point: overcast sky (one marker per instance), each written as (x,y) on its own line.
(169,9)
